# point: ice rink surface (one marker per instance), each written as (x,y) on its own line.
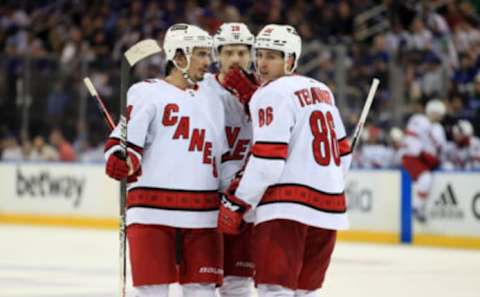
(57,262)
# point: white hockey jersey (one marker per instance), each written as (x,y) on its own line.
(178,137)
(295,170)
(238,129)
(463,157)
(423,136)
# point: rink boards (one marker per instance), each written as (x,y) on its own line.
(80,195)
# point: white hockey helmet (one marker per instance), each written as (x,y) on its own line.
(435,107)
(396,134)
(463,128)
(184,37)
(232,33)
(282,38)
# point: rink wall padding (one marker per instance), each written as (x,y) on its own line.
(60,194)
(379,203)
(374,203)
(453,212)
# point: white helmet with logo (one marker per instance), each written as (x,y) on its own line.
(282,38)
(184,37)
(233,33)
(463,128)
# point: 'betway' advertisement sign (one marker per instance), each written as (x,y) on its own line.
(374,200)
(453,207)
(57,189)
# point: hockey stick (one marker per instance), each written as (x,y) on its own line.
(94,94)
(364,114)
(132,56)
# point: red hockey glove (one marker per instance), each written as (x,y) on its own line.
(118,168)
(234,183)
(241,83)
(430,160)
(230,217)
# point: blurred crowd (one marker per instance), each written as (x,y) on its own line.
(433,45)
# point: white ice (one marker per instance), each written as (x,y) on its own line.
(58,262)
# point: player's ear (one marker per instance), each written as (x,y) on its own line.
(180,59)
(290,62)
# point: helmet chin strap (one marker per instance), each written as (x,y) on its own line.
(184,71)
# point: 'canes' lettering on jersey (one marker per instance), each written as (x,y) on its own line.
(179,139)
(299,146)
(196,140)
(238,128)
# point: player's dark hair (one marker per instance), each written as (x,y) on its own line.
(170,66)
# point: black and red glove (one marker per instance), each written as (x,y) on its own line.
(230,217)
(119,168)
(241,83)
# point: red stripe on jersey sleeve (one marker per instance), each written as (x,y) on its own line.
(270,150)
(344,146)
(111,142)
(135,147)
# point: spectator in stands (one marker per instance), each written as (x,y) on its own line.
(324,16)
(64,148)
(396,39)
(11,149)
(420,37)
(42,151)
(344,22)
(432,79)
(57,102)
(472,105)
(464,76)
(75,50)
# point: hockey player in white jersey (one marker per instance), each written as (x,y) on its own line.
(373,154)
(424,144)
(234,86)
(294,177)
(464,151)
(396,137)
(175,143)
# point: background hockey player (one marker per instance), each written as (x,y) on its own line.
(373,153)
(234,86)
(175,142)
(424,143)
(294,178)
(464,151)
(396,137)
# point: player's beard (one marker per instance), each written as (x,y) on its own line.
(199,77)
(201,74)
